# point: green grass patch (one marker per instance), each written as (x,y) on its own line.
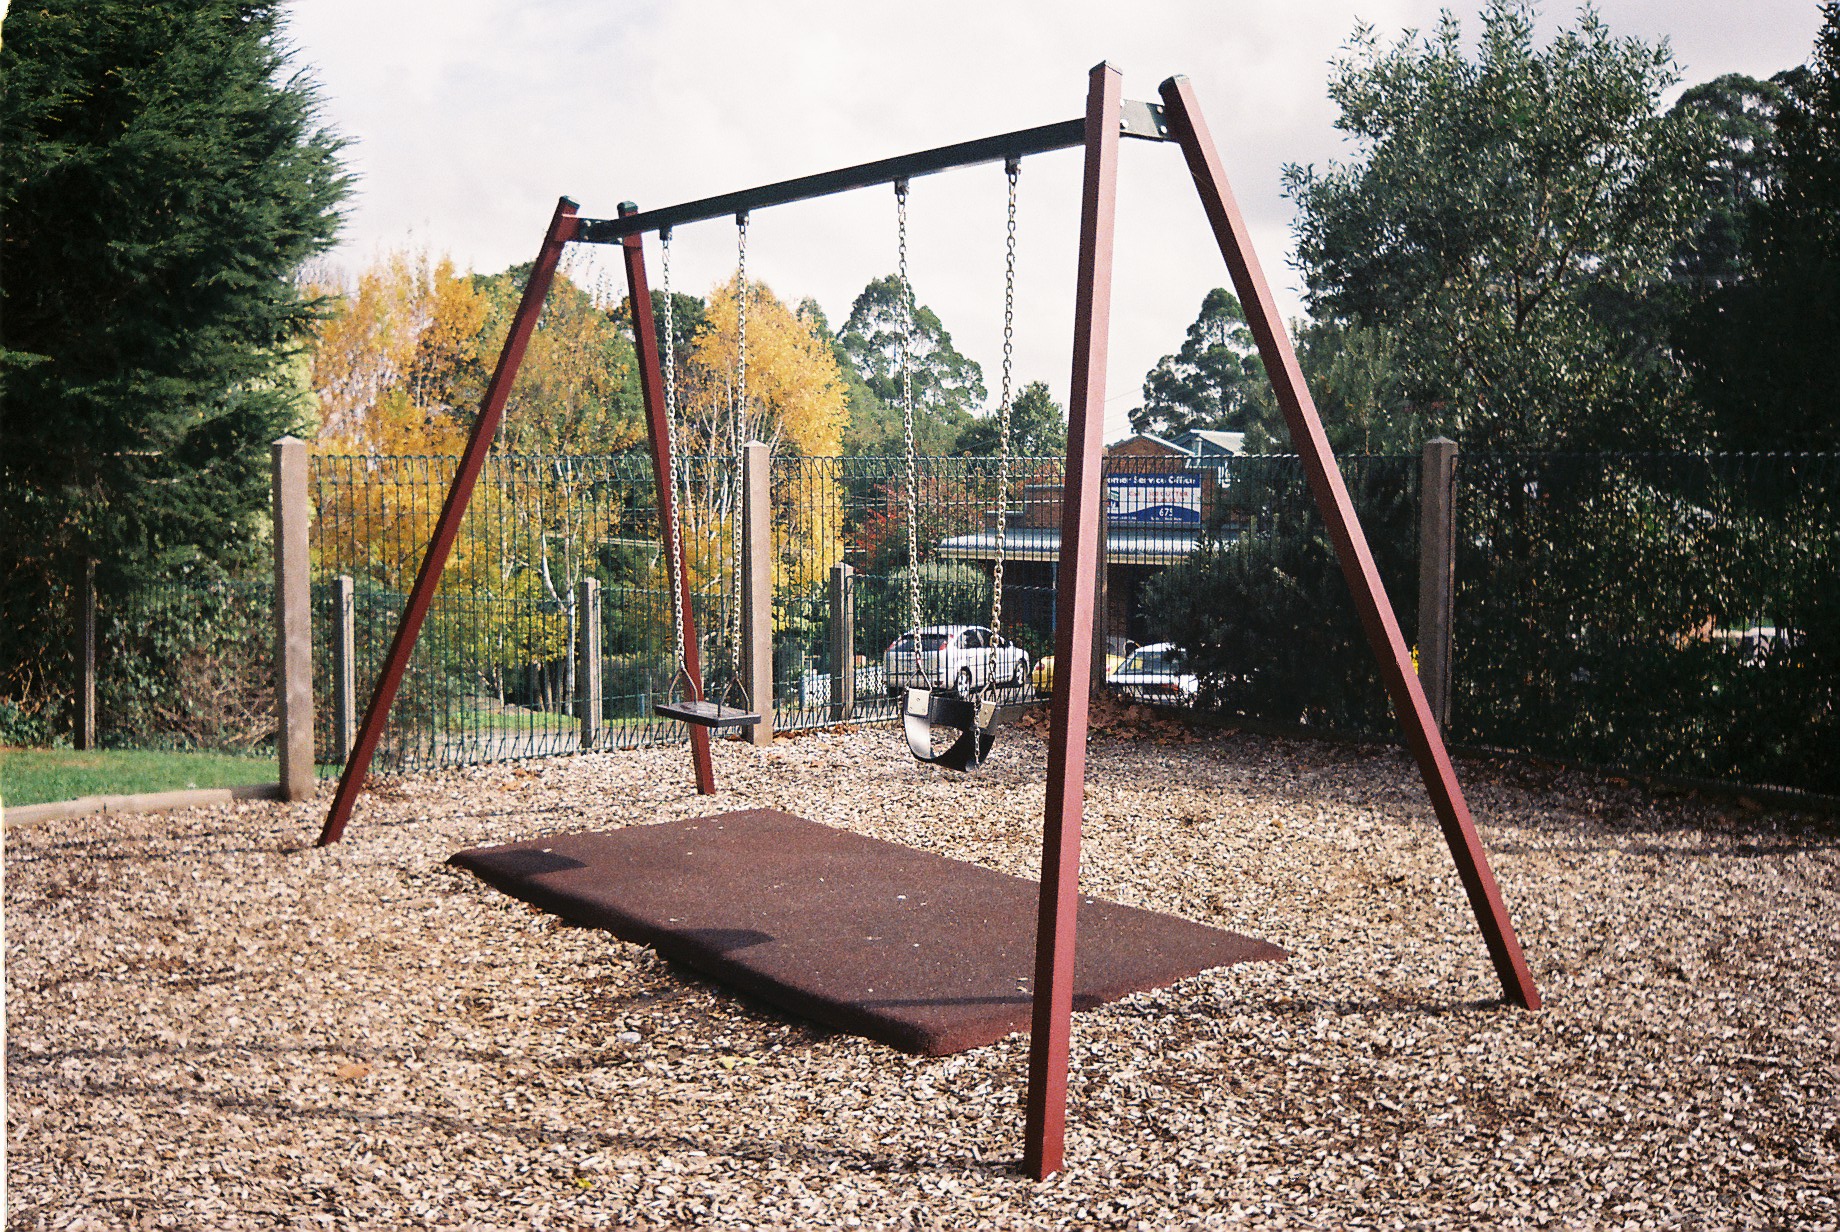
(515,720)
(36,776)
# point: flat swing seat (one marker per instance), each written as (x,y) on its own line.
(705,714)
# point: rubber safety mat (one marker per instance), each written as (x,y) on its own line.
(928,954)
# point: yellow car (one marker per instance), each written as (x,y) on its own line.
(1043,678)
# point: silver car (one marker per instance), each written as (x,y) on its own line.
(1155,673)
(958,657)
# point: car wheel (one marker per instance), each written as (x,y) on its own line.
(1022,672)
(964,682)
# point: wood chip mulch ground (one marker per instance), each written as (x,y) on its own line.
(213,1024)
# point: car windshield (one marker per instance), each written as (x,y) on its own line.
(1150,661)
(929,642)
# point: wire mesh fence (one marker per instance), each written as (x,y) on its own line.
(1666,612)
(187,665)
(1673,613)
(854,511)
(1260,612)
(493,675)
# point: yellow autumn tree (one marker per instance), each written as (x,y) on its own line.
(390,364)
(387,367)
(795,394)
(795,404)
(399,369)
(554,497)
(577,390)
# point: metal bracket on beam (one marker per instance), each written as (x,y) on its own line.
(1143,120)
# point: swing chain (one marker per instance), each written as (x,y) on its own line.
(741,310)
(740,438)
(1013,169)
(903,333)
(674,532)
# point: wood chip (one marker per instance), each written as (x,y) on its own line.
(189,994)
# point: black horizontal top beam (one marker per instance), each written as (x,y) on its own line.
(1144,120)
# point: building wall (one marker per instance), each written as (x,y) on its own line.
(1041,502)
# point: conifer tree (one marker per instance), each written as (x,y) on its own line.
(163,176)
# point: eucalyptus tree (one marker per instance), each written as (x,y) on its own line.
(1512,217)
(947,386)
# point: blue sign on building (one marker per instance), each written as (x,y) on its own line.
(1157,498)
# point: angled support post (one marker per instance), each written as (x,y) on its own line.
(563,226)
(1082,507)
(658,429)
(1377,619)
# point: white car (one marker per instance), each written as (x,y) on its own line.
(957,657)
(1154,673)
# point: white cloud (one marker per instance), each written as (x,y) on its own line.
(469,117)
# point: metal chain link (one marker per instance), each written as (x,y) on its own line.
(674,543)
(906,326)
(740,437)
(1012,168)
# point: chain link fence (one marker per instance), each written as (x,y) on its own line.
(1659,612)
(1667,613)
(493,675)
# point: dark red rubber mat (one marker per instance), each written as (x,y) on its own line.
(925,953)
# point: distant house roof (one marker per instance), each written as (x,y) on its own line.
(1123,545)
(1134,444)
(1202,441)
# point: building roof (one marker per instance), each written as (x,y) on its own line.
(1124,545)
(1206,440)
(1168,445)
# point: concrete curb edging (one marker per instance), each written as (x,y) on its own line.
(146,802)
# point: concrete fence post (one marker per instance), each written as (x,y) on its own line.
(293,623)
(588,659)
(344,664)
(84,737)
(1437,572)
(843,643)
(757,588)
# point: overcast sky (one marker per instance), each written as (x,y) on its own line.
(468,118)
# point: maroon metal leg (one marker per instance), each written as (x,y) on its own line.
(562,229)
(1408,697)
(658,431)
(1081,506)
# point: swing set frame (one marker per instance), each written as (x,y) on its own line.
(1108,118)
